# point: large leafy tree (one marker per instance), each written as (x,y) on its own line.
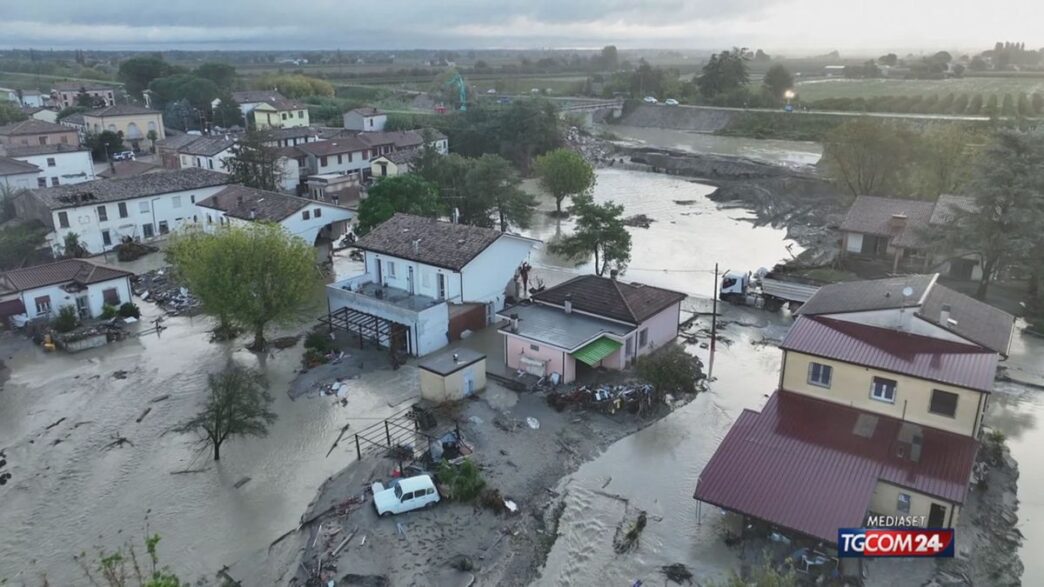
(17,243)
(1003,226)
(494,181)
(137,73)
(9,112)
(408,193)
(599,233)
(777,81)
(238,404)
(222,74)
(868,157)
(254,162)
(198,91)
(671,370)
(526,129)
(563,173)
(227,113)
(723,73)
(106,139)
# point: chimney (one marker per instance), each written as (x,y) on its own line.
(944,315)
(897,221)
(416,246)
(568,305)
(456,358)
(253,213)
(514,323)
(613,273)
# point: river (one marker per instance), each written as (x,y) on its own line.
(783,152)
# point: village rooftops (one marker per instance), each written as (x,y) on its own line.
(120,110)
(632,303)
(968,318)
(128,188)
(10,166)
(555,327)
(207,146)
(451,361)
(947,204)
(366,111)
(245,203)
(404,156)
(338,146)
(175,142)
(270,97)
(429,241)
(128,168)
(889,217)
(400,139)
(78,271)
(923,357)
(811,466)
(32,126)
(86,86)
(30,150)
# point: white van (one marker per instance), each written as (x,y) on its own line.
(404,495)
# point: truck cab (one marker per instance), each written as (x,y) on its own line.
(734,286)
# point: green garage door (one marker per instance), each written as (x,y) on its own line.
(594,352)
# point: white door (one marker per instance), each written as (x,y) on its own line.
(469,384)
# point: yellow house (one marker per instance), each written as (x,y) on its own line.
(133,122)
(279,113)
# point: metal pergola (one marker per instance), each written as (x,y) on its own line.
(369,327)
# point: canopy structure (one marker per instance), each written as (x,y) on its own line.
(593,352)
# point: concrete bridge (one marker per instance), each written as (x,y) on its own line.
(590,109)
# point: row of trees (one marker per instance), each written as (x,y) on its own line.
(1020,104)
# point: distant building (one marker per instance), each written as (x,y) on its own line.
(66,93)
(127,168)
(393,164)
(210,152)
(365,120)
(38,132)
(133,122)
(59,164)
(269,109)
(17,175)
(40,113)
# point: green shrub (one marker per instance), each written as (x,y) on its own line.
(130,310)
(109,312)
(464,481)
(319,342)
(66,320)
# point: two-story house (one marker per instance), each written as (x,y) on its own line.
(211,152)
(38,132)
(66,94)
(588,322)
(59,164)
(43,290)
(425,281)
(134,123)
(343,155)
(266,109)
(17,175)
(105,211)
(367,119)
(871,416)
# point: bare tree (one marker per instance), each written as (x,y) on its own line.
(237,405)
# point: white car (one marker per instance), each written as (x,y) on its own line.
(491,91)
(651,100)
(404,495)
(670,102)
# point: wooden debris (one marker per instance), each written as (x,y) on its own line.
(187,471)
(144,413)
(160,398)
(57,422)
(345,542)
(242,482)
(339,437)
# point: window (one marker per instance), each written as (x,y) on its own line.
(210,219)
(106,238)
(123,209)
(883,389)
(164,228)
(43,140)
(63,219)
(407,496)
(65,140)
(534,348)
(54,181)
(318,212)
(50,162)
(300,113)
(210,163)
(146,230)
(820,374)
(284,115)
(43,305)
(143,207)
(41,182)
(391,269)
(192,198)
(629,348)
(103,214)
(199,162)
(349,157)
(903,503)
(370,120)
(111,296)
(306,215)
(943,403)
(175,202)
(643,337)
(322,162)
(340,159)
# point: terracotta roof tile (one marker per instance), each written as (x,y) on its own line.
(632,303)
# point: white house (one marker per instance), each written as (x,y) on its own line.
(365,120)
(105,211)
(59,164)
(426,281)
(318,223)
(393,164)
(43,290)
(16,175)
(342,155)
(207,153)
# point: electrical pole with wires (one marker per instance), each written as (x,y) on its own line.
(714,322)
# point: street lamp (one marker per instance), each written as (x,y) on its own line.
(789,95)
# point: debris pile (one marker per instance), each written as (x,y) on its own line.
(160,287)
(625,541)
(608,399)
(597,151)
(638,221)
(130,250)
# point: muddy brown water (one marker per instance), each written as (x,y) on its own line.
(782,152)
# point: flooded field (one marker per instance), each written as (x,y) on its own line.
(688,235)
(791,153)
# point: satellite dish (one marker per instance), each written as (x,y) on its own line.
(907,291)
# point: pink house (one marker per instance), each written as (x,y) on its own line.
(588,322)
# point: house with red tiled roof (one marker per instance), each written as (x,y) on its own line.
(43,290)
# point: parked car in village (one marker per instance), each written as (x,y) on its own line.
(123,156)
(404,495)
(670,102)
(651,100)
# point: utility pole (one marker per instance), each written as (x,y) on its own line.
(714,322)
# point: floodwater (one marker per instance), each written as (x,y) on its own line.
(780,152)
(70,493)
(689,233)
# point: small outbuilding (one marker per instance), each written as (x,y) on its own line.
(452,375)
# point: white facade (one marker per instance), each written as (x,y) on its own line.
(36,100)
(100,226)
(488,275)
(48,300)
(17,181)
(62,168)
(305,223)
(428,328)
(343,163)
(354,120)
(216,162)
(290,174)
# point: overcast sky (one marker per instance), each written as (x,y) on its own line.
(793,26)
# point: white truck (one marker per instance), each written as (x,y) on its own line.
(763,289)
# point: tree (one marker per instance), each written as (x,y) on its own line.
(10,112)
(87,101)
(72,248)
(179,115)
(890,59)
(222,74)
(104,144)
(777,81)
(492,178)
(138,72)
(600,232)
(211,273)
(197,91)
(122,569)
(977,64)
(527,128)
(295,86)
(409,194)
(671,370)
(723,73)
(609,57)
(17,243)
(227,113)
(943,157)
(1003,226)
(562,173)
(867,157)
(70,110)
(254,162)
(237,405)
(761,56)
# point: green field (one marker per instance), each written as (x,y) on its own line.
(822,89)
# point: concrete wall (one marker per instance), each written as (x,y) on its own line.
(348,163)
(60,298)
(68,97)
(895,319)
(429,328)
(436,388)
(661,329)
(291,175)
(68,167)
(487,275)
(885,501)
(214,163)
(557,359)
(295,224)
(265,118)
(677,117)
(176,209)
(850,386)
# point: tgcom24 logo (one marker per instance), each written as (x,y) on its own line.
(895,543)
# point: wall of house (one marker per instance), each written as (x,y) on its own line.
(348,163)
(68,97)
(436,388)
(885,501)
(290,177)
(428,327)
(853,242)
(425,277)
(662,328)
(384,168)
(69,167)
(493,270)
(176,209)
(214,162)
(356,121)
(850,386)
(135,127)
(19,180)
(70,137)
(907,321)
(295,224)
(264,118)
(60,297)
(558,360)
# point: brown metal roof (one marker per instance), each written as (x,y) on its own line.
(442,244)
(632,303)
(75,270)
(799,464)
(918,356)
